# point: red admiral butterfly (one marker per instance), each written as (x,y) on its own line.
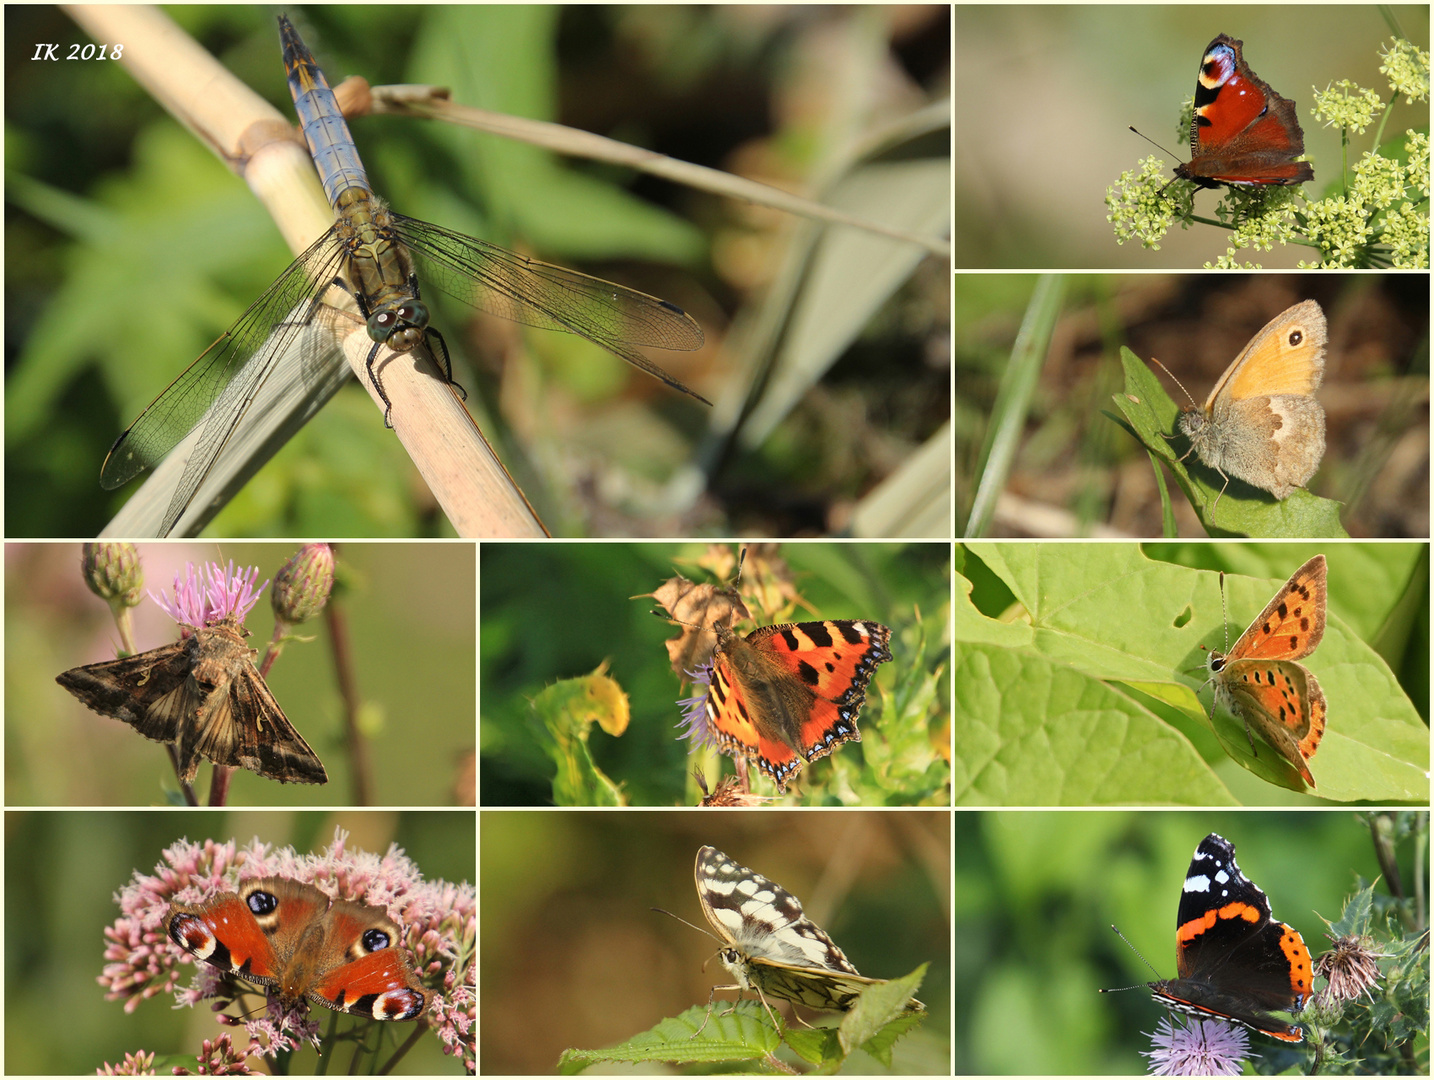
(1242,132)
(1235,962)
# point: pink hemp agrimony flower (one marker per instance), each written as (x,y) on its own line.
(438,921)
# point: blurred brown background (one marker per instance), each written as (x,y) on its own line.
(1045,96)
(1078,473)
(571,955)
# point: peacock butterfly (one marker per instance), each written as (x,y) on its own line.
(788,694)
(289,935)
(1241,132)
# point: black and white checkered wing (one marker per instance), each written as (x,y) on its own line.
(772,947)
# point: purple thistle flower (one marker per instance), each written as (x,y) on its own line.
(694,709)
(222,595)
(1198,1047)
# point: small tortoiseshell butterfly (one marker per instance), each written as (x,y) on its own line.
(788,694)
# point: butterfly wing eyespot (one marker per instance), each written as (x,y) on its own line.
(1287,356)
(374,940)
(289,935)
(1242,133)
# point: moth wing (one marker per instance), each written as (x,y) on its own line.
(1292,624)
(281,753)
(136,689)
(213,734)
(1270,364)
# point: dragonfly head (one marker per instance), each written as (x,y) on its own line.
(400,328)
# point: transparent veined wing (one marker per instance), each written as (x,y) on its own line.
(212,395)
(511,286)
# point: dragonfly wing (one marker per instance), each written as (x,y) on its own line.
(199,477)
(185,401)
(504,283)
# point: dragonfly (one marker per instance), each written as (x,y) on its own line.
(376,259)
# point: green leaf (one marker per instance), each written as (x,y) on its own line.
(1100,708)
(876,1012)
(741,1034)
(1242,510)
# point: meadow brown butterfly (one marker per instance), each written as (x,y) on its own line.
(1261,423)
(1259,681)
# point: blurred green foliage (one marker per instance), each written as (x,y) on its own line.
(1037,892)
(554,611)
(62,872)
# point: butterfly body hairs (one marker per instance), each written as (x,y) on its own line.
(770,947)
(291,937)
(1259,680)
(1261,423)
(1242,133)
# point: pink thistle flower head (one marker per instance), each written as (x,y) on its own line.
(221,593)
(1198,1047)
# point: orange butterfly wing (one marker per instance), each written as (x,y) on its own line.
(788,694)
(1280,698)
(1292,624)
(1285,357)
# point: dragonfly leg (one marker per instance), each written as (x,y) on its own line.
(442,351)
(377,385)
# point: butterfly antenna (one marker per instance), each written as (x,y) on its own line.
(1137,952)
(684,922)
(1176,381)
(1224,612)
(1153,143)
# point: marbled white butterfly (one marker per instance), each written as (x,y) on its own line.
(771,947)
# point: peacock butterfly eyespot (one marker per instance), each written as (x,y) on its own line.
(290,936)
(1242,133)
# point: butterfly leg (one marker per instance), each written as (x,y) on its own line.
(710,1003)
(1219,497)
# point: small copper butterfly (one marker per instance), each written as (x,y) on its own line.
(1261,423)
(1259,681)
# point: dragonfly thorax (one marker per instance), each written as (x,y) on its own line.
(400,328)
